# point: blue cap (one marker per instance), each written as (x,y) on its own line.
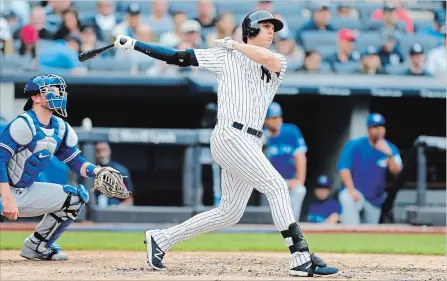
(375,119)
(274,110)
(371,50)
(324,181)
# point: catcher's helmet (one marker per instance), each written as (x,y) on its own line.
(250,25)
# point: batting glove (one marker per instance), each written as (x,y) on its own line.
(124,43)
(227,43)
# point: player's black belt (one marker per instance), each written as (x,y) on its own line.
(251,131)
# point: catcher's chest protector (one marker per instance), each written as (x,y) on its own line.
(25,166)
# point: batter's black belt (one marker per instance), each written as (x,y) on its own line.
(250,131)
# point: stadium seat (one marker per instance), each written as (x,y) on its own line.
(16,62)
(366,9)
(103,64)
(238,7)
(326,51)
(347,68)
(189,7)
(397,69)
(351,23)
(325,68)
(427,42)
(295,23)
(422,24)
(368,38)
(289,9)
(146,6)
(314,39)
(85,6)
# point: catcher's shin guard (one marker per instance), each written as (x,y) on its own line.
(316,266)
(53,225)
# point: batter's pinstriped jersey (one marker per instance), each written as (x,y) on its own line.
(245,88)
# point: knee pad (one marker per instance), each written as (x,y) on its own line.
(80,191)
(294,232)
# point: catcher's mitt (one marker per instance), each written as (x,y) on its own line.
(110,182)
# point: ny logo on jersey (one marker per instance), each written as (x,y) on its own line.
(265,74)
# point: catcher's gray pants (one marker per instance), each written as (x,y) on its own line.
(244,167)
(59,203)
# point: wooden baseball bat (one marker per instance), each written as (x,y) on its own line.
(93,53)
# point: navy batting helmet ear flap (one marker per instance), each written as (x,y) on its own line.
(250,24)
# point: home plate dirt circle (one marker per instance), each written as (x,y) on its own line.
(120,265)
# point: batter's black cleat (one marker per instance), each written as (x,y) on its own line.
(154,253)
(315,267)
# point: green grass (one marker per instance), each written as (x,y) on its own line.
(336,243)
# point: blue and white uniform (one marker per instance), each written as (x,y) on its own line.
(26,148)
(368,167)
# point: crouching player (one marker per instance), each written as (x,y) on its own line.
(26,147)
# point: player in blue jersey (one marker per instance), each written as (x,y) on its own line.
(26,147)
(286,150)
(324,209)
(363,166)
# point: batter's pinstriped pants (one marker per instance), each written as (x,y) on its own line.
(244,168)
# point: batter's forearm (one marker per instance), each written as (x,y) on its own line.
(260,55)
(346,178)
(169,55)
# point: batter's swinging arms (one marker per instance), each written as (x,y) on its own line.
(248,77)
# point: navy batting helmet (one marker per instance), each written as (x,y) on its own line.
(250,25)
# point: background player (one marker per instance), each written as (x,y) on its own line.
(26,147)
(324,209)
(248,77)
(286,150)
(363,167)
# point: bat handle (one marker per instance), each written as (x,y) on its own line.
(123,41)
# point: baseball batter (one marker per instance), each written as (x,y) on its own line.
(26,147)
(248,77)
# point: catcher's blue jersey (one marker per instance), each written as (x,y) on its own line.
(27,146)
(282,148)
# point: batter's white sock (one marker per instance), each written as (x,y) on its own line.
(297,258)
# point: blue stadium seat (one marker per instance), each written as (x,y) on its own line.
(238,7)
(420,25)
(102,64)
(189,7)
(326,50)
(427,42)
(295,23)
(350,23)
(289,8)
(397,69)
(314,39)
(143,66)
(347,68)
(16,62)
(366,39)
(146,6)
(85,6)
(325,68)
(366,9)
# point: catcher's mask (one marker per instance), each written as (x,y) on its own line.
(50,86)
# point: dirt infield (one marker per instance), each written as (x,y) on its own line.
(110,265)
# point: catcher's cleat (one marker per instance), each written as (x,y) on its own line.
(315,267)
(31,251)
(154,253)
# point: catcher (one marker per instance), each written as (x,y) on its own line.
(26,147)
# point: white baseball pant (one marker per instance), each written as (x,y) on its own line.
(244,167)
